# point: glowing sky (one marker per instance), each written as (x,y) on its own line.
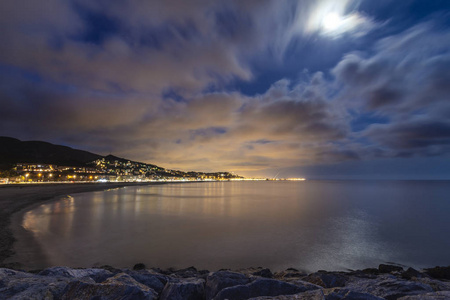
(321,89)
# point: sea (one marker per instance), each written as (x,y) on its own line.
(308,225)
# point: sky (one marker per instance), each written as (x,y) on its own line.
(319,89)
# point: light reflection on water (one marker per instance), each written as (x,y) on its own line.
(307,225)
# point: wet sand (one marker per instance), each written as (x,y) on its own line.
(14,199)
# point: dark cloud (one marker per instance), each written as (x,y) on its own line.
(403,82)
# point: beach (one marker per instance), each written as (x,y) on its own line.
(14,198)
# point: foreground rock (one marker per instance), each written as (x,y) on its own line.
(385,282)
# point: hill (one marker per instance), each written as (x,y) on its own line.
(15,151)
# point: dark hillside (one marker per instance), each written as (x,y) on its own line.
(15,151)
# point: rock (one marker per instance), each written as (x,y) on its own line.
(139,266)
(309,295)
(411,273)
(22,285)
(436,285)
(428,296)
(289,273)
(98,275)
(121,286)
(326,279)
(110,268)
(308,285)
(389,268)
(189,273)
(345,294)
(35,292)
(152,280)
(186,289)
(371,271)
(387,286)
(258,288)
(439,272)
(263,273)
(217,281)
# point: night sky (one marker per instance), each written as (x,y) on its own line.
(317,89)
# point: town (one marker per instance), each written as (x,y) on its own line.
(106,169)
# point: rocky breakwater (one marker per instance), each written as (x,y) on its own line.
(386,282)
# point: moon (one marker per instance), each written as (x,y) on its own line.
(331,21)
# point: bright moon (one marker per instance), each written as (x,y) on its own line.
(331,21)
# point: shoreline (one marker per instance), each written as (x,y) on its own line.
(106,282)
(15,199)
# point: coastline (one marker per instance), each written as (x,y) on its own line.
(16,199)
(106,282)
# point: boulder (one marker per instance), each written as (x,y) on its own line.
(327,279)
(370,271)
(98,275)
(121,286)
(263,273)
(308,285)
(309,295)
(289,273)
(436,284)
(22,285)
(185,289)
(217,281)
(34,292)
(428,296)
(439,272)
(411,273)
(139,266)
(388,286)
(259,287)
(152,280)
(345,294)
(382,268)
(190,272)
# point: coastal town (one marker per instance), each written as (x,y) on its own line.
(105,169)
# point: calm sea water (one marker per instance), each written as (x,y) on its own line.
(312,225)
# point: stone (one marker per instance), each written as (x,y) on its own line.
(152,280)
(139,266)
(428,296)
(309,295)
(98,275)
(121,286)
(263,273)
(185,289)
(289,273)
(411,273)
(371,271)
(189,273)
(436,284)
(389,268)
(439,272)
(326,279)
(387,286)
(259,287)
(22,285)
(35,292)
(217,281)
(308,285)
(345,294)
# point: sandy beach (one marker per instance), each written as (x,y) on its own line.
(15,198)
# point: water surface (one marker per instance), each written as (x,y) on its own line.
(312,225)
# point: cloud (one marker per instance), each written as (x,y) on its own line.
(404,82)
(152,82)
